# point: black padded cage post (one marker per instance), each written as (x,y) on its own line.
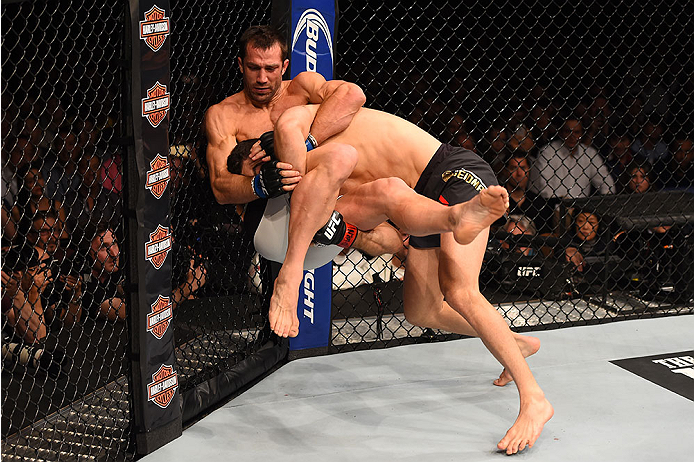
(156,401)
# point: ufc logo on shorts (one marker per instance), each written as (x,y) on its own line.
(332,226)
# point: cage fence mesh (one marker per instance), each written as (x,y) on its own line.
(519,84)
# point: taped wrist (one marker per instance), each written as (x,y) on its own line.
(311,142)
(336,232)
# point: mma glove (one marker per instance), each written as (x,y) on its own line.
(268,183)
(336,232)
(267,142)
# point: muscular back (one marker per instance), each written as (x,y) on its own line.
(388,146)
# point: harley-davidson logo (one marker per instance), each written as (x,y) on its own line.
(155,28)
(163,386)
(158,176)
(156,105)
(158,246)
(159,319)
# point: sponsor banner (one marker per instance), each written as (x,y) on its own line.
(312,41)
(315,306)
(160,316)
(313,37)
(158,246)
(155,105)
(163,386)
(158,176)
(155,28)
(674,371)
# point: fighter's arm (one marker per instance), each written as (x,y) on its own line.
(339,102)
(228,188)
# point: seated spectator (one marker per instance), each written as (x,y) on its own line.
(540,120)
(91,200)
(519,225)
(460,134)
(60,295)
(618,153)
(494,148)
(103,293)
(678,171)
(587,239)
(565,168)
(649,143)
(60,165)
(638,177)
(33,201)
(21,303)
(515,177)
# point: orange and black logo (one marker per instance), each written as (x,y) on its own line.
(163,386)
(155,28)
(156,105)
(158,176)
(158,246)
(159,319)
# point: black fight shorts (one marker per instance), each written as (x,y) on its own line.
(453,175)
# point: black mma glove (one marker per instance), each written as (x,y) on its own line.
(267,142)
(268,183)
(336,232)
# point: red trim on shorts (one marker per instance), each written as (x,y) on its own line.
(443,200)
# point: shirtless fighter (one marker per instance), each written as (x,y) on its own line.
(373,158)
(254,110)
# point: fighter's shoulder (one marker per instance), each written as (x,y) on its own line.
(221,118)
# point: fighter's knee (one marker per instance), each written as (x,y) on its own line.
(458,296)
(417,317)
(290,121)
(389,186)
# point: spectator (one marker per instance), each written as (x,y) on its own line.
(638,177)
(586,240)
(515,177)
(649,143)
(618,153)
(516,225)
(21,152)
(540,117)
(90,199)
(32,200)
(565,168)
(21,303)
(459,133)
(60,166)
(678,171)
(60,295)
(104,296)
(495,145)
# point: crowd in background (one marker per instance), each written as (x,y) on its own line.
(62,191)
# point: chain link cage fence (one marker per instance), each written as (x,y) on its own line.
(64,377)
(585,113)
(518,84)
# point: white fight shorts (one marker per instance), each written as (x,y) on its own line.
(271,237)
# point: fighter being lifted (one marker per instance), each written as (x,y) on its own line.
(376,146)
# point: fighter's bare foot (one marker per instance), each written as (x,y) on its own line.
(475,215)
(533,415)
(283,318)
(528,347)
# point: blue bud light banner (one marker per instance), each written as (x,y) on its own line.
(312,45)
(313,37)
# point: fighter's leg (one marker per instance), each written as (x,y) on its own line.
(390,198)
(312,203)
(425,307)
(459,268)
